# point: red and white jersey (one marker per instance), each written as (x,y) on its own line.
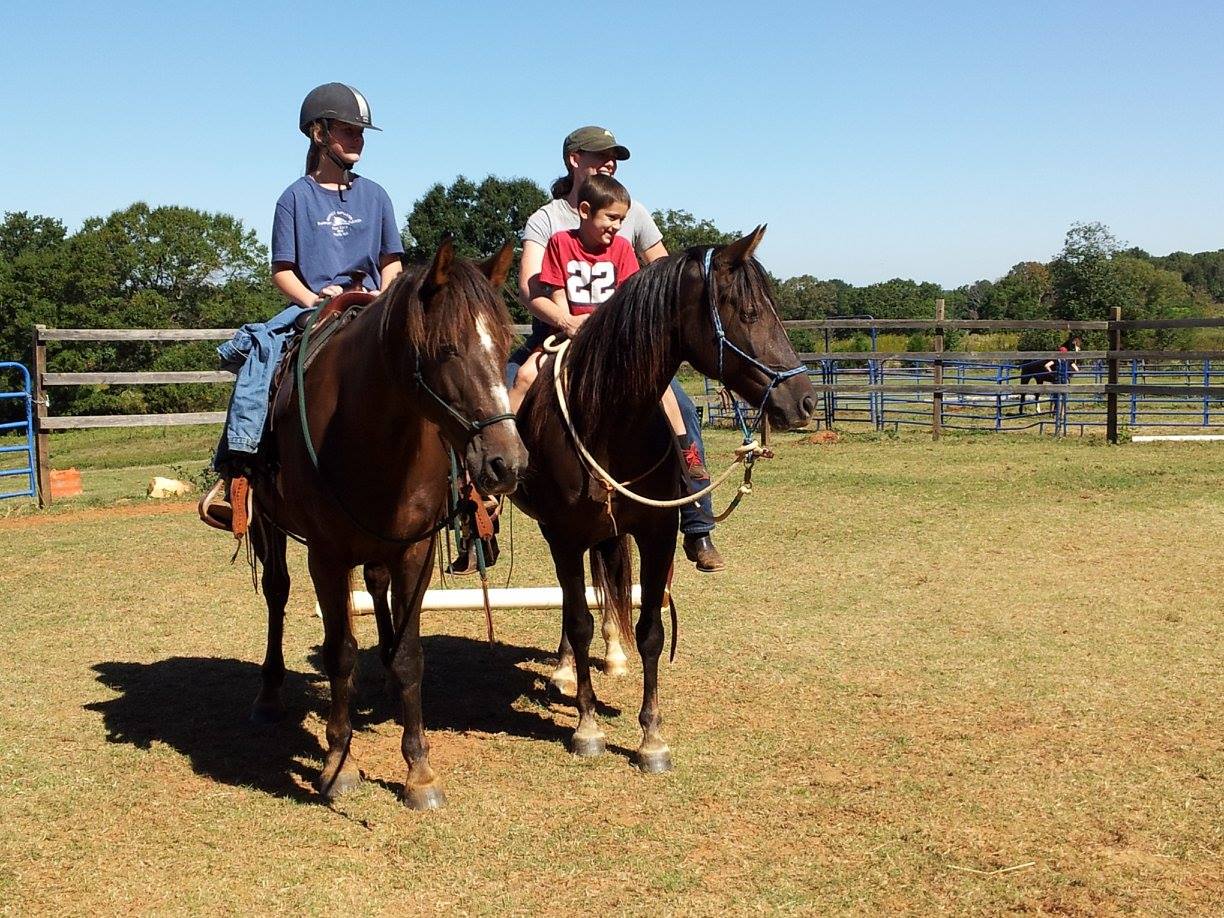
(589,278)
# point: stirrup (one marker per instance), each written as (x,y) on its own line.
(465,561)
(232,515)
(215,510)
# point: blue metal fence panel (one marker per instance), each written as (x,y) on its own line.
(24,429)
(1057,413)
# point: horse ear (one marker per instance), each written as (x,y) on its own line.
(439,271)
(497,268)
(739,251)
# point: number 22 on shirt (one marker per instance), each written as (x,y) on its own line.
(589,284)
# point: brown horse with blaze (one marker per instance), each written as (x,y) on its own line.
(418,370)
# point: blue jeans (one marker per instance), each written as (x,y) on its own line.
(252,354)
(695,519)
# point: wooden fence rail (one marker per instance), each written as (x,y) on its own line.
(939,358)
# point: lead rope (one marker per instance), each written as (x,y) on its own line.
(748,453)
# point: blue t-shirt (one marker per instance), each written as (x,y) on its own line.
(326,238)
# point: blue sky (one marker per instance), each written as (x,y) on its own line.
(937,141)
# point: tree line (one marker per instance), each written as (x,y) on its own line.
(177,267)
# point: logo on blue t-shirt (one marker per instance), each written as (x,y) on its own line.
(339,222)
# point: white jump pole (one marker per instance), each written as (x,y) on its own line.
(1178,438)
(499,598)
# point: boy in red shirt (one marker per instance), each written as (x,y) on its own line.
(582,269)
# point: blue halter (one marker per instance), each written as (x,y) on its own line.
(775,376)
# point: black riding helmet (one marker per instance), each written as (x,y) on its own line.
(335,102)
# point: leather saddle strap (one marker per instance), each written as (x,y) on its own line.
(484,522)
(240,496)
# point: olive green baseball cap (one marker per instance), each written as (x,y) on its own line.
(593,139)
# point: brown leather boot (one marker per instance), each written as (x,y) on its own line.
(699,548)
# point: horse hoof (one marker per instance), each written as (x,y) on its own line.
(340,783)
(615,668)
(589,746)
(267,713)
(426,797)
(653,763)
(562,688)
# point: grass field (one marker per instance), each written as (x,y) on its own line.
(978,676)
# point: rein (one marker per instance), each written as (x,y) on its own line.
(469,427)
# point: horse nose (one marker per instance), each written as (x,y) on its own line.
(808,406)
(503,475)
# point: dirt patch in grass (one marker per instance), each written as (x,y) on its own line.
(79,517)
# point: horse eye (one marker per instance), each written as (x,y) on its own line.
(447,351)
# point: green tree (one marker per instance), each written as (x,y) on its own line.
(973,301)
(805,297)
(21,233)
(1151,292)
(30,254)
(1093,274)
(681,231)
(1203,270)
(141,267)
(895,299)
(481,218)
(1084,281)
(1025,292)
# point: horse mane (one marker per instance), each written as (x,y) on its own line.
(617,358)
(453,316)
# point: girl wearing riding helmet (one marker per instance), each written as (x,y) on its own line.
(333,230)
(585,152)
(331,224)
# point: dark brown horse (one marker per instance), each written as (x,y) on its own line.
(419,369)
(711,307)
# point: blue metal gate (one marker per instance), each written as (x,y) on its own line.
(26,428)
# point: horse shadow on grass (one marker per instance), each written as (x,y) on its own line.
(200,707)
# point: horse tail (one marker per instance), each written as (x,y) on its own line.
(612,573)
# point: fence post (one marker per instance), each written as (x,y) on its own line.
(937,375)
(42,448)
(1111,362)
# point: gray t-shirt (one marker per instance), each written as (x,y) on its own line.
(557,215)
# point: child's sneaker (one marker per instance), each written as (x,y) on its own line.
(694,468)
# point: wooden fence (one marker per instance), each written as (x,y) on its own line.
(44,422)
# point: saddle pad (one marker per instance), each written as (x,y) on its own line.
(332,317)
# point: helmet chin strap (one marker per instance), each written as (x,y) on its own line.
(346,177)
